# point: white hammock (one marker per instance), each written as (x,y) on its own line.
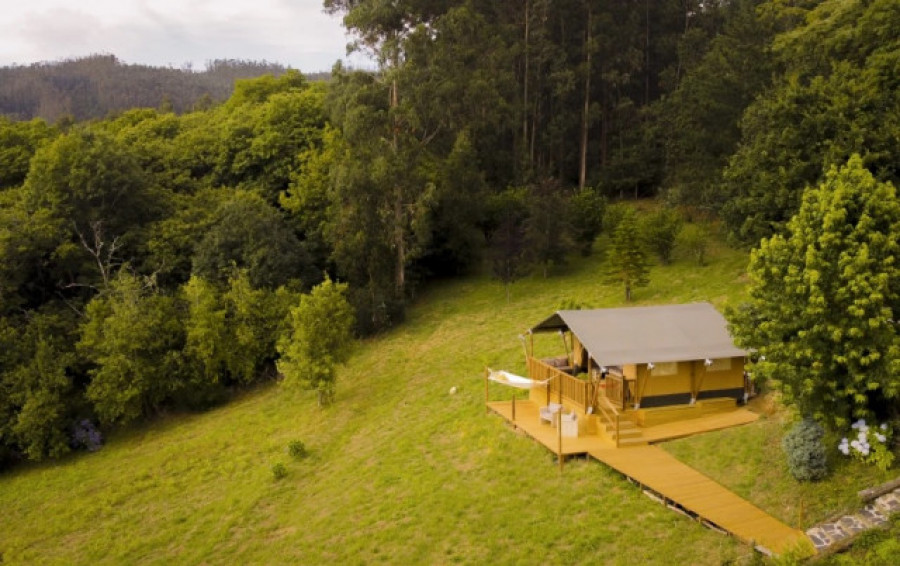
(513,380)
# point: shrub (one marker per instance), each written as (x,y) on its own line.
(694,239)
(279,471)
(805,450)
(297,449)
(586,214)
(86,435)
(659,231)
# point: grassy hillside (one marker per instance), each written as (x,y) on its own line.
(400,471)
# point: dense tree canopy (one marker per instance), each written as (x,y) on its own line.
(838,96)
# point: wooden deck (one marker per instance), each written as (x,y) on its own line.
(655,469)
(528,420)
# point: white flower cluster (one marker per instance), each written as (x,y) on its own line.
(862,443)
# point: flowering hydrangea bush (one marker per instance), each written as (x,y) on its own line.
(871,444)
(86,435)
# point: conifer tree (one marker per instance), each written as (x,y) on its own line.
(627,262)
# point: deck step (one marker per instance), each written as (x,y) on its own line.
(631,433)
(636,441)
(623,425)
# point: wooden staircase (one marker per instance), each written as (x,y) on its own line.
(629,434)
(617,427)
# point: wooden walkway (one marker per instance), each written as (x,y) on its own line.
(658,471)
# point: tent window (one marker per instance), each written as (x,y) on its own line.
(665,368)
(721,364)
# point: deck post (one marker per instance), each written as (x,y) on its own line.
(617,430)
(559,437)
(548,389)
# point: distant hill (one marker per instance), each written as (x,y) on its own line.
(97,85)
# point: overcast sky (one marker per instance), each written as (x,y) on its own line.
(173,32)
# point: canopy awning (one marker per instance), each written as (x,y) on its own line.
(634,335)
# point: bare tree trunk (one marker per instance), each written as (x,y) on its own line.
(604,126)
(104,253)
(647,52)
(400,243)
(582,169)
(527,69)
(399,223)
(687,25)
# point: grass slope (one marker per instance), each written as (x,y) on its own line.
(399,472)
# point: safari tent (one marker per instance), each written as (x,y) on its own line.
(651,356)
(636,359)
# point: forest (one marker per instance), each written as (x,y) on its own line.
(150,257)
(97,86)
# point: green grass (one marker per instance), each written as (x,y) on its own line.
(398,470)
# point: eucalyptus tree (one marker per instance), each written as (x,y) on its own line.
(701,117)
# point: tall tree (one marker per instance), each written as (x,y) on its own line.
(824,299)
(133,338)
(319,339)
(548,226)
(837,96)
(627,261)
(702,115)
(249,233)
(383,193)
(508,251)
(98,199)
(39,401)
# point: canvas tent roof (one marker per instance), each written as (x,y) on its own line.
(630,335)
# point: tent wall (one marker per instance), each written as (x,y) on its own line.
(722,382)
(692,380)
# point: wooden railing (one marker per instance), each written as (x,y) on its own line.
(615,389)
(610,415)
(576,391)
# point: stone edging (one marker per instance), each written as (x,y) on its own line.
(875,514)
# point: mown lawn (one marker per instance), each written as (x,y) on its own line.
(400,471)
